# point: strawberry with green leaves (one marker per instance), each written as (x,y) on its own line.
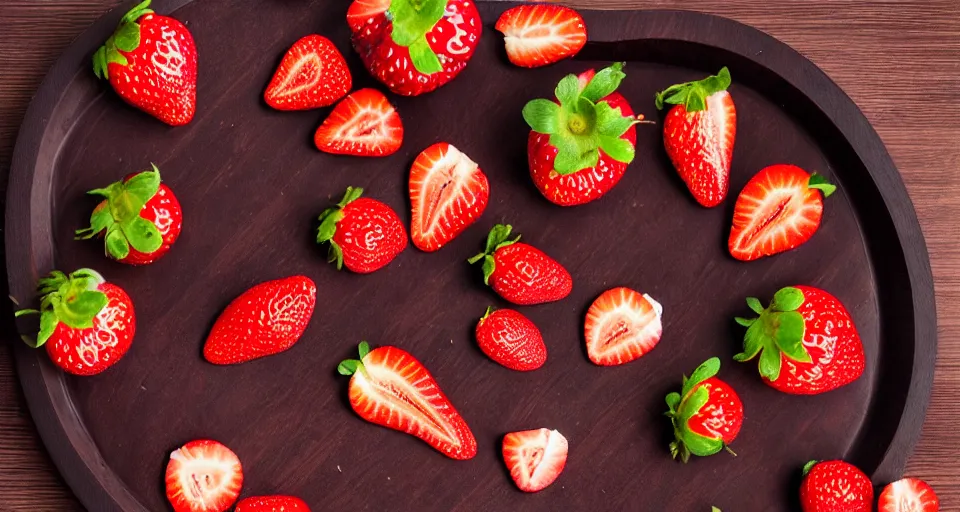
(415,46)
(707,413)
(139,219)
(151,62)
(364,234)
(806,342)
(835,486)
(86,323)
(581,142)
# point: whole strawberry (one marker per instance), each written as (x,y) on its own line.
(140,218)
(835,486)
(265,320)
(86,323)
(806,341)
(151,61)
(511,339)
(707,413)
(581,143)
(415,46)
(699,133)
(521,273)
(272,504)
(363,233)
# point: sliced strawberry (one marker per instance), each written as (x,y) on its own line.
(908,495)
(203,476)
(389,387)
(621,326)
(448,193)
(779,209)
(363,124)
(535,458)
(272,504)
(362,12)
(538,34)
(312,74)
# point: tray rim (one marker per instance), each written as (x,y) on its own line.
(99,488)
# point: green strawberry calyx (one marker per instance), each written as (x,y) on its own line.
(350,366)
(686,404)
(499,237)
(125,39)
(820,183)
(490,310)
(412,20)
(118,217)
(778,330)
(582,125)
(328,225)
(808,466)
(693,95)
(73,299)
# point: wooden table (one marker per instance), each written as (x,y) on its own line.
(898,59)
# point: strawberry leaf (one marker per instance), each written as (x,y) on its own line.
(820,183)
(100,220)
(335,254)
(569,160)
(413,19)
(364,349)
(542,115)
(808,466)
(568,92)
(770,363)
(127,37)
(138,11)
(116,244)
(755,305)
(348,367)
(789,336)
(708,369)
(48,324)
(350,195)
(423,57)
(753,343)
(611,121)
(746,322)
(787,299)
(489,265)
(693,95)
(617,148)
(78,311)
(604,82)
(673,401)
(699,445)
(142,234)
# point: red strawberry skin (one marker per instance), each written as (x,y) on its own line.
(265,320)
(582,186)
(272,504)
(370,234)
(453,39)
(722,416)
(363,124)
(160,76)
(90,351)
(700,145)
(512,340)
(312,74)
(836,486)
(908,495)
(833,343)
(525,275)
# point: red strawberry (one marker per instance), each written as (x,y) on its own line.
(707,413)
(390,388)
(539,34)
(621,326)
(448,193)
(363,233)
(415,46)
(203,476)
(908,495)
(582,142)
(835,486)
(140,218)
(265,320)
(521,273)
(312,74)
(272,504)
(699,133)
(535,458)
(511,340)
(808,334)
(779,209)
(86,323)
(363,124)
(151,61)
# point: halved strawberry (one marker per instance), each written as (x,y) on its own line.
(363,124)
(362,12)
(272,504)
(779,209)
(448,193)
(389,387)
(908,495)
(539,34)
(203,476)
(535,458)
(621,326)
(312,74)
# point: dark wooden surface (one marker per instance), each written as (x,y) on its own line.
(893,80)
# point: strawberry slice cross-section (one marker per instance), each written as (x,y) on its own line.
(538,34)
(621,326)
(448,193)
(535,458)
(203,476)
(390,388)
(312,74)
(363,124)
(908,495)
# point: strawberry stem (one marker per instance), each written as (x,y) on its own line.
(693,95)
(328,225)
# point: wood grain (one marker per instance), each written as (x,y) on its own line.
(894,58)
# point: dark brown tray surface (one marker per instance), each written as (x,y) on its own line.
(251,185)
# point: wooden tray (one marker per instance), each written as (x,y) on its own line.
(251,185)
